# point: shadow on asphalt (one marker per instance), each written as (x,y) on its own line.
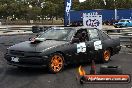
(14,71)
(76,66)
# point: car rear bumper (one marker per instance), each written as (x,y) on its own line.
(26,61)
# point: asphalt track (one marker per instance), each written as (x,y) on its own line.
(11,77)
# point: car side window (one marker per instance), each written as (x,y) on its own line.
(82,35)
(93,34)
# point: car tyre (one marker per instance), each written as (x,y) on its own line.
(56,63)
(106,55)
(104,69)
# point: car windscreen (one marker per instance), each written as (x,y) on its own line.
(122,21)
(57,34)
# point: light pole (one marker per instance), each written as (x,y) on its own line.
(104,2)
(81,1)
(30,17)
(115,10)
(43,4)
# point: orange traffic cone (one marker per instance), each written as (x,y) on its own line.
(93,68)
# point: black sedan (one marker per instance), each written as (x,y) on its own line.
(59,46)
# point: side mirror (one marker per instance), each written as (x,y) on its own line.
(75,40)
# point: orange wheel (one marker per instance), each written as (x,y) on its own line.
(56,63)
(106,55)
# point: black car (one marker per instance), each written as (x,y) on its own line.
(59,46)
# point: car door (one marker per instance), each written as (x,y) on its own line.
(76,50)
(81,46)
(106,40)
(94,44)
(91,46)
(127,23)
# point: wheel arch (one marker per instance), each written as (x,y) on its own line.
(111,50)
(60,52)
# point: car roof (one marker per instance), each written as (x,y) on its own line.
(125,19)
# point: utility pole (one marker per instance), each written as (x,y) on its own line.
(115,10)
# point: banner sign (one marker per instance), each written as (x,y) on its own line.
(92,20)
(105,79)
(68,4)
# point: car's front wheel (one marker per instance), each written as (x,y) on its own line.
(56,63)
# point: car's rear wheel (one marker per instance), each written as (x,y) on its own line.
(56,63)
(106,55)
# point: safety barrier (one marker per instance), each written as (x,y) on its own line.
(125,35)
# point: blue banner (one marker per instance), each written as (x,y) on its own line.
(68,4)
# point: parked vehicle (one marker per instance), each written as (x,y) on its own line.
(38,29)
(123,23)
(76,23)
(59,46)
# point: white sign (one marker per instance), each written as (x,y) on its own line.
(97,45)
(81,47)
(15,59)
(92,20)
